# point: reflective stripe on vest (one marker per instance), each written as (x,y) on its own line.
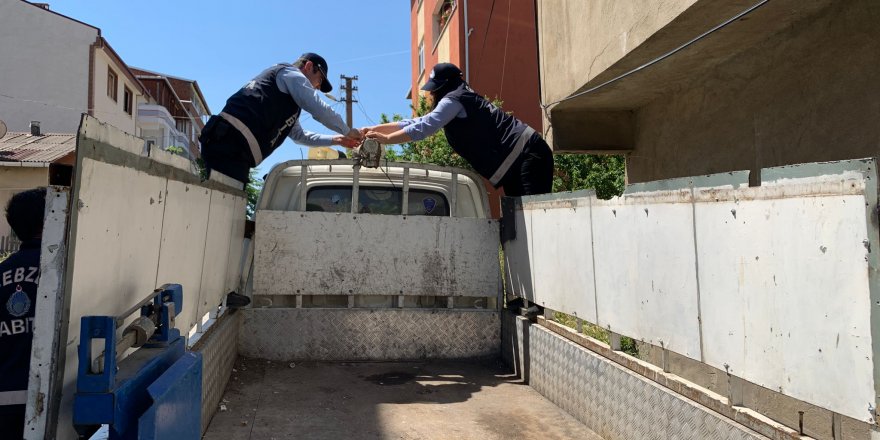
(13,397)
(248,136)
(511,158)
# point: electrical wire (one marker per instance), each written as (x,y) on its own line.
(385,170)
(486,33)
(363,110)
(373,56)
(658,59)
(48,104)
(504,62)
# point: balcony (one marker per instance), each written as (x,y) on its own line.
(159,127)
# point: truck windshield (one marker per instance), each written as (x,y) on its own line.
(377,200)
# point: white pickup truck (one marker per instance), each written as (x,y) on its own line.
(380,307)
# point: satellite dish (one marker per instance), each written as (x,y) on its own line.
(2,128)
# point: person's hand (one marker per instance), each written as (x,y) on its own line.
(345,141)
(365,130)
(381,137)
(355,134)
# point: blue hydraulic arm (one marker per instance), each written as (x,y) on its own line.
(134,396)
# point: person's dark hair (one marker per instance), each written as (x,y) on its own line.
(300,63)
(25,212)
(450,85)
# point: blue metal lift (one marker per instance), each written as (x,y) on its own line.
(155,392)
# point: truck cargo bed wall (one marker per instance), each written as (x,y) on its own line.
(139,220)
(775,284)
(408,287)
(319,253)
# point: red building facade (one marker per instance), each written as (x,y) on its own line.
(493,41)
(495,44)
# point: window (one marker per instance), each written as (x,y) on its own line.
(182,125)
(112,84)
(377,200)
(445,12)
(440,18)
(421,57)
(127,100)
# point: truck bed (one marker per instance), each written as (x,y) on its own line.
(388,400)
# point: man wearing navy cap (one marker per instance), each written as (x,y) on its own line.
(266,110)
(499,146)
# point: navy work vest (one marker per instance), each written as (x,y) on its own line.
(19,276)
(268,112)
(486,136)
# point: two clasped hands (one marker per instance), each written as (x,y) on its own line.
(385,134)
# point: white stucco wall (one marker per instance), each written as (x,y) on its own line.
(106,109)
(44,65)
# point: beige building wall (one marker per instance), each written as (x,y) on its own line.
(105,108)
(809,94)
(14,180)
(795,81)
(579,40)
(443,48)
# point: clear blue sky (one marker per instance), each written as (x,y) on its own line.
(222,44)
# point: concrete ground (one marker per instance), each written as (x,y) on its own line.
(412,400)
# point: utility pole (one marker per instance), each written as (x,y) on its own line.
(348,99)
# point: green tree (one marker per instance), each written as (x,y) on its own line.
(434,149)
(603,173)
(253,189)
(173,149)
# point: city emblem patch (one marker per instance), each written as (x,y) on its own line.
(19,303)
(429,204)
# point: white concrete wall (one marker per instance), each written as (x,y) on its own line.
(774,284)
(44,66)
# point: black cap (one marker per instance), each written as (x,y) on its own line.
(440,75)
(321,64)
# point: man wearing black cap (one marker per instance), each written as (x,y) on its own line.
(500,147)
(258,117)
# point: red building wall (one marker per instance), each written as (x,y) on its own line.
(502,52)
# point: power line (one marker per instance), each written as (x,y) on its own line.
(363,110)
(370,57)
(48,104)
(486,34)
(661,57)
(504,62)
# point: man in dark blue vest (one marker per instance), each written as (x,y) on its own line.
(499,146)
(19,276)
(265,111)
